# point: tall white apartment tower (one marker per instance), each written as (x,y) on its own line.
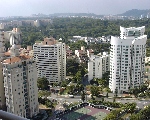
(50,56)
(127,59)
(20,83)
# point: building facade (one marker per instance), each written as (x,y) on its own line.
(2,57)
(12,37)
(20,83)
(50,56)
(97,66)
(127,59)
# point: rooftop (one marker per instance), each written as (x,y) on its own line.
(7,54)
(47,41)
(16,59)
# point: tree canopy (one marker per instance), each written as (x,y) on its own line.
(65,28)
(42,83)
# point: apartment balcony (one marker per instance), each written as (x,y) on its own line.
(9,116)
(25,94)
(26,107)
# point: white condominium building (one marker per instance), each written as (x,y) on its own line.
(50,56)
(127,59)
(20,83)
(97,66)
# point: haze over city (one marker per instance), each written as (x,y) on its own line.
(101,7)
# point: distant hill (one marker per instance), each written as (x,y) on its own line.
(75,14)
(136,13)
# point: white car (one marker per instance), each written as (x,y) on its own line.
(71,96)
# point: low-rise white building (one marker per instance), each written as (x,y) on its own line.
(97,66)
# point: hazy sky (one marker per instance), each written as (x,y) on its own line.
(28,7)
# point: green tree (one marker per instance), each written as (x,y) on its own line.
(49,104)
(135,117)
(42,83)
(64,83)
(72,66)
(71,89)
(113,115)
(78,77)
(130,107)
(143,88)
(95,90)
(44,93)
(135,91)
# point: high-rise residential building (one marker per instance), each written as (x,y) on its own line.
(13,37)
(2,57)
(127,59)
(98,65)
(50,56)
(20,83)
(2,90)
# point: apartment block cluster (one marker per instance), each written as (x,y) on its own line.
(18,79)
(19,23)
(20,69)
(126,61)
(81,56)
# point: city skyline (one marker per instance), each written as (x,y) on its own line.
(100,7)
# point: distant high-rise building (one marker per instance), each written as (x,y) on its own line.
(50,56)
(2,26)
(20,83)
(127,59)
(37,23)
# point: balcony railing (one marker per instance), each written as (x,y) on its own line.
(9,116)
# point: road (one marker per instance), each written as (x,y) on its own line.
(140,103)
